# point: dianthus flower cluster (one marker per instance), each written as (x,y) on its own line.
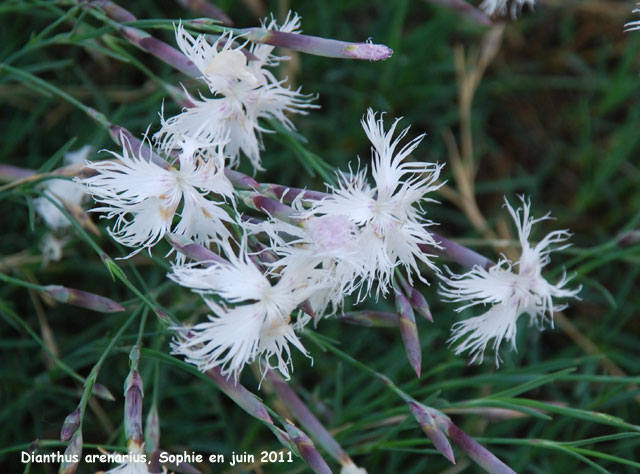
(265,278)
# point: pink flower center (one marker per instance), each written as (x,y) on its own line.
(330,232)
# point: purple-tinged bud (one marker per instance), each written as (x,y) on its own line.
(113,11)
(456,252)
(257,262)
(422,307)
(152,431)
(160,50)
(164,317)
(192,250)
(369,318)
(416,299)
(408,331)
(369,51)
(133,407)
(432,430)
(263,252)
(72,455)
(103,392)
(123,137)
(83,299)
(288,194)
(70,425)
(307,450)
(12,173)
(478,453)
(133,395)
(203,7)
(282,436)
(222,41)
(33,446)
(305,417)
(240,180)
(318,46)
(629,238)
(269,206)
(240,395)
(306,307)
(183,467)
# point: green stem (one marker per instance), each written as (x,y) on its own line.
(18,282)
(40,85)
(64,367)
(325,345)
(52,443)
(93,376)
(112,267)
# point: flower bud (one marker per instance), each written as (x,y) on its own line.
(70,425)
(192,250)
(133,395)
(629,238)
(408,331)
(133,408)
(307,450)
(240,180)
(103,392)
(370,318)
(160,50)
(416,298)
(319,46)
(432,430)
(83,299)
(72,455)
(481,455)
(269,206)
(152,431)
(239,394)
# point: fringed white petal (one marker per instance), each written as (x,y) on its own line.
(473,335)
(511,294)
(499,7)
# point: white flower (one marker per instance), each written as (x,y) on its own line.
(130,468)
(244,93)
(134,462)
(52,246)
(144,197)
(322,252)
(511,294)
(350,468)
(78,156)
(389,215)
(263,52)
(499,7)
(223,67)
(65,192)
(260,329)
(633,25)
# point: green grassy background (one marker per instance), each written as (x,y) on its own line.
(556,117)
